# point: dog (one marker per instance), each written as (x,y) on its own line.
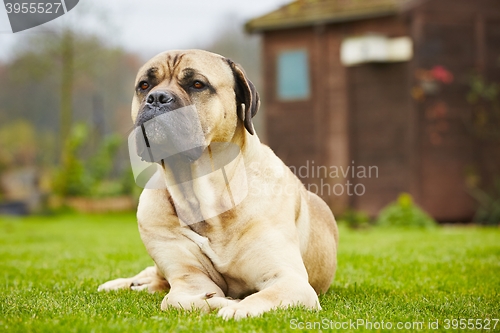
(274,245)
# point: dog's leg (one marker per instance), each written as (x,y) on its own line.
(149,279)
(194,282)
(281,279)
(284,292)
(191,288)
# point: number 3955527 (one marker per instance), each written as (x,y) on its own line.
(33,7)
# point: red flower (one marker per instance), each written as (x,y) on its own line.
(441,74)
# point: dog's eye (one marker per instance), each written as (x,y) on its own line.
(144,85)
(198,85)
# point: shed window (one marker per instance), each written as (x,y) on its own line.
(293,75)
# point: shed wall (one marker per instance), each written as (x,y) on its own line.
(365,113)
(458,36)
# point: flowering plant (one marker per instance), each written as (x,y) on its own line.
(429,81)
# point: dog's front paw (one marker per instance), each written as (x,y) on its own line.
(239,311)
(115,285)
(205,302)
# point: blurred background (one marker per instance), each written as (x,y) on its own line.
(66,89)
(408,89)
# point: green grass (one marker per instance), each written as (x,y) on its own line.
(50,268)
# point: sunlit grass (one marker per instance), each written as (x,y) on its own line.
(50,268)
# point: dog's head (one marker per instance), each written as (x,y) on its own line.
(217,88)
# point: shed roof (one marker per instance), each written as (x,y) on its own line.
(308,12)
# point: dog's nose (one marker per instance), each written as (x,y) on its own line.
(160,98)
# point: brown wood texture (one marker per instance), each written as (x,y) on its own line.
(366,114)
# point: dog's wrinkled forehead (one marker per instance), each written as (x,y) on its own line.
(195,77)
(184,65)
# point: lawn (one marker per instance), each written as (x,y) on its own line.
(51,268)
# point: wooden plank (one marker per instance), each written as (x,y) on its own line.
(379,112)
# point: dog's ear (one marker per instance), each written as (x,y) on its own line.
(246,94)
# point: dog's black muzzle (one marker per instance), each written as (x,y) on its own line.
(168,129)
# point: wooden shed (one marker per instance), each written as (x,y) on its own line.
(366,99)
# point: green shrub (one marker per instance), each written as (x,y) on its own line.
(71,179)
(404,213)
(488,211)
(355,219)
(89,177)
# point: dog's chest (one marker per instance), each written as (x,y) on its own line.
(223,252)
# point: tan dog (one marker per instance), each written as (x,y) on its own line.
(276,248)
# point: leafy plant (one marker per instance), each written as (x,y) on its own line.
(404,213)
(483,96)
(79,176)
(18,145)
(355,219)
(488,211)
(71,179)
(128,185)
(101,163)
(484,123)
